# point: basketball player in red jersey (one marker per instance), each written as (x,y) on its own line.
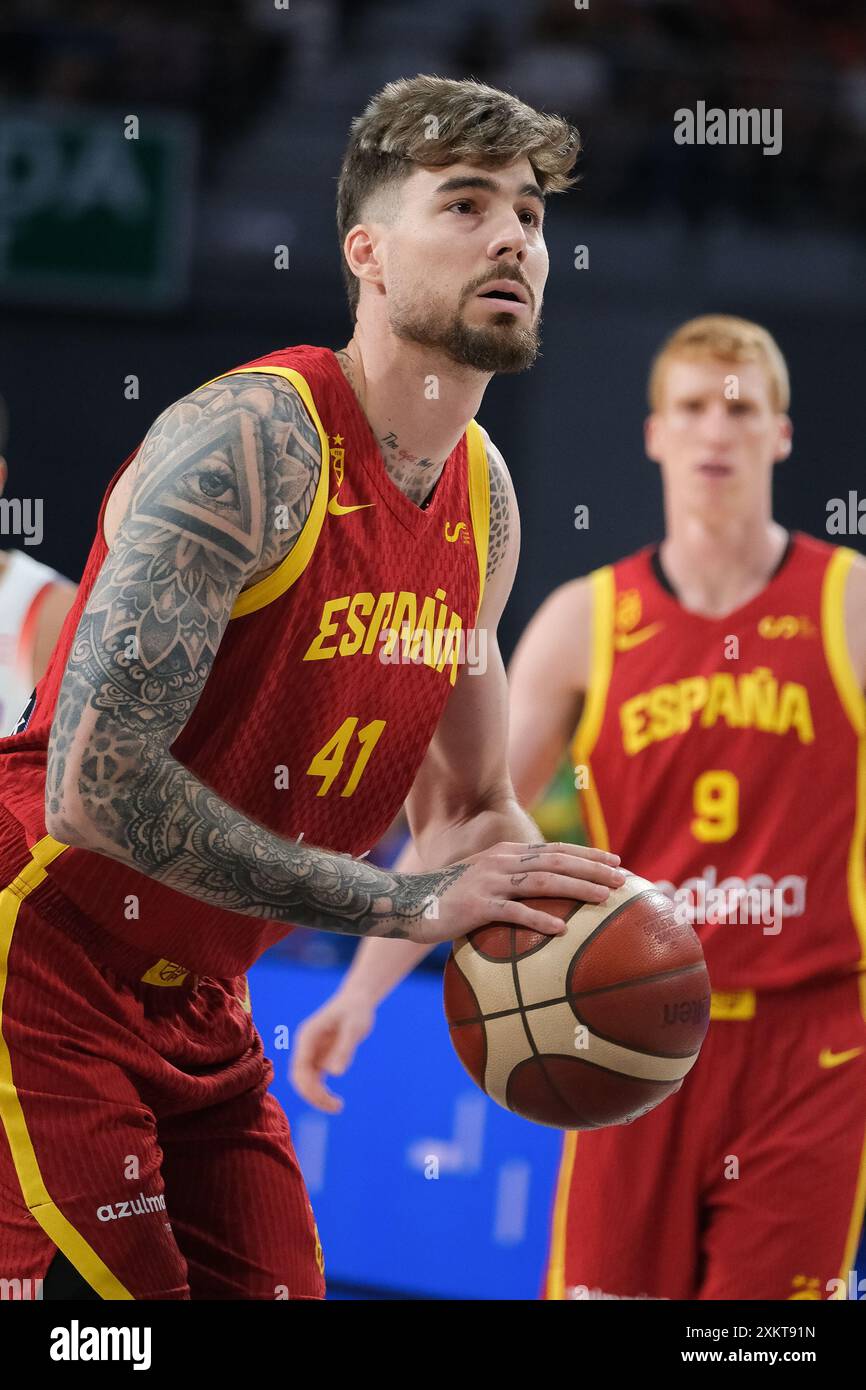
(721,746)
(234,712)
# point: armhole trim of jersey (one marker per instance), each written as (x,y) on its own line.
(291,569)
(556,1266)
(853,702)
(597,686)
(601,664)
(479,499)
(836,650)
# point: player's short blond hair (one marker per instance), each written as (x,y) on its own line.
(430,122)
(727,339)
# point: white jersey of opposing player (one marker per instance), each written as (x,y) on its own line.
(23,585)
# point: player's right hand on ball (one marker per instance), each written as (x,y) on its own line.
(492,887)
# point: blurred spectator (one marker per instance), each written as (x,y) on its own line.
(619,70)
(213,62)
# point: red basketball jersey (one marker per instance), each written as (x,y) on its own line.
(314,720)
(725,758)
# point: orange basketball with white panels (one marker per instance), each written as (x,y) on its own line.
(588,1029)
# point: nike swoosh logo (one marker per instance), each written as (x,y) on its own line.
(835,1059)
(337,509)
(624,641)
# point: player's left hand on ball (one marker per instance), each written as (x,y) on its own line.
(326,1043)
(508,882)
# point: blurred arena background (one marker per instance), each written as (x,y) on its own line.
(133,269)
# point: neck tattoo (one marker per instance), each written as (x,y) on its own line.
(415,477)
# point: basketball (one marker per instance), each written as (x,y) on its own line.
(592,1028)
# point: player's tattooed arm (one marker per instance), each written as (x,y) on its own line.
(503,510)
(223,485)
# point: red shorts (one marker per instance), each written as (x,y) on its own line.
(749,1183)
(138,1136)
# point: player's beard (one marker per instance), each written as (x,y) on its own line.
(503,345)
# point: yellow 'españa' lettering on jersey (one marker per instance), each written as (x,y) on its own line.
(354,622)
(753,700)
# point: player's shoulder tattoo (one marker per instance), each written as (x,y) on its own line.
(224,482)
(262,416)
